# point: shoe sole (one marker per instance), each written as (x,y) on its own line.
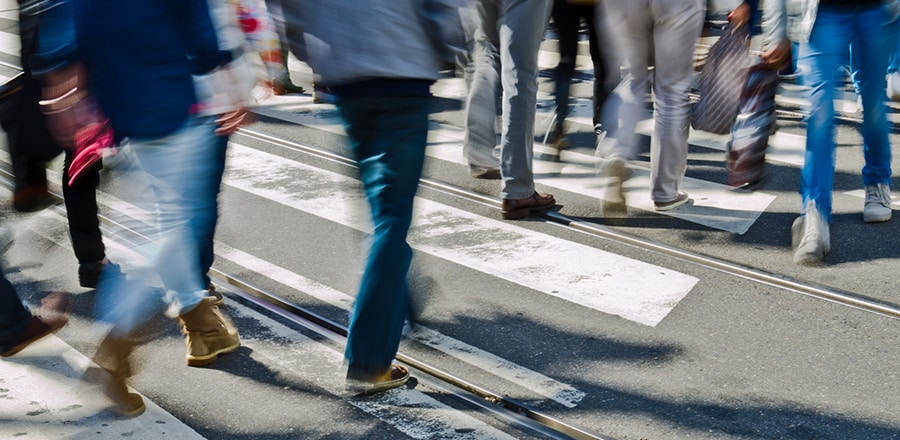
(873,218)
(122,411)
(672,205)
(202,361)
(367,389)
(487,175)
(525,212)
(808,258)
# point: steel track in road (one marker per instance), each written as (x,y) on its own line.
(506,409)
(780,281)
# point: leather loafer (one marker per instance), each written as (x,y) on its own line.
(54,314)
(513,209)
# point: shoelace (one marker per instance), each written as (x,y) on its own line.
(878,194)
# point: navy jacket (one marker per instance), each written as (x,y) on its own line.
(140,55)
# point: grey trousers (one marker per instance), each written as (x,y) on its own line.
(663,33)
(507,40)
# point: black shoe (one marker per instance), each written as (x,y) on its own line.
(89,273)
(33,198)
(485,173)
(54,314)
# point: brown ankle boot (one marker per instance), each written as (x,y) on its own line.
(112,357)
(209,333)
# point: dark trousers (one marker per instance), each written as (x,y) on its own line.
(13,315)
(388,136)
(567,18)
(31,147)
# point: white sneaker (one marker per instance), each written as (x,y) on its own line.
(815,241)
(893,86)
(878,203)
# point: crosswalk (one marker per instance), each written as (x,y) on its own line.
(536,262)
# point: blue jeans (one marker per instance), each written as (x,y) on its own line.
(388,136)
(180,169)
(205,224)
(836,28)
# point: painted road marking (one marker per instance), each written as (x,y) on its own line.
(714,205)
(411,411)
(42,396)
(42,392)
(527,379)
(135,217)
(593,278)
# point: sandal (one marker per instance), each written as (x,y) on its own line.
(397,377)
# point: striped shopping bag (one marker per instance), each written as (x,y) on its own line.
(721,81)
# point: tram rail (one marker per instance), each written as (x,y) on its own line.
(814,290)
(511,410)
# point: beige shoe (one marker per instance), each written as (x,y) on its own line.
(393,378)
(113,358)
(616,171)
(208,333)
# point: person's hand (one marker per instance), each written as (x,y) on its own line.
(776,55)
(230,122)
(740,15)
(62,91)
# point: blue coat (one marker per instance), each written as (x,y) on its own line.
(140,55)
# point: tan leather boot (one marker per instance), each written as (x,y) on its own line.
(112,357)
(209,333)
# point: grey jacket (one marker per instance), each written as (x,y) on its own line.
(346,41)
(801,16)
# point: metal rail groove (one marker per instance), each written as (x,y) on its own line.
(486,399)
(514,411)
(757,275)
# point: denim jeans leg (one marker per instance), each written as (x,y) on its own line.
(388,136)
(828,48)
(181,167)
(872,45)
(209,184)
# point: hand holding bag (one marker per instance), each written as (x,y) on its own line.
(721,82)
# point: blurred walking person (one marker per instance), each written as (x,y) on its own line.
(826,30)
(379,58)
(157,45)
(661,33)
(568,15)
(507,41)
(32,146)
(755,118)
(19,328)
